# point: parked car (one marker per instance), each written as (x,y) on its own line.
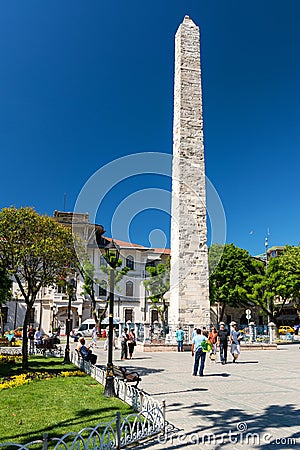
(85,328)
(284,329)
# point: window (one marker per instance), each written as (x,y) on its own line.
(102,291)
(61,287)
(150,264)
(128,315)
(129,289)
(154,315)
(130,262)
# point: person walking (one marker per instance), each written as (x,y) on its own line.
(124,339)
(131,342)
(204,332)
(213,339)
(198,343)
(179,338)
(223,343)
(235,338)
(106,339)
(95,335)
(30,336)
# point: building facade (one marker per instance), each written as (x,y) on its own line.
(131,305)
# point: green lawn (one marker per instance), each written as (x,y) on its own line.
(54,406)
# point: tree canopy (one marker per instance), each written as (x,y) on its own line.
(36,251)
(279,284)
(228,283)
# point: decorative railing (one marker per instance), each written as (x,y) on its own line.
(133,396)
(116,434)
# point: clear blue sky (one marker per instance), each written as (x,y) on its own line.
(85,82)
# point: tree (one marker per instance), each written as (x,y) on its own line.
(119,273)
(36,251)
(278,284)
(5,291)
(228,283)
(90,280)
(88,271)
(158,285)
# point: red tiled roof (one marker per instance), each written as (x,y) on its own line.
(165,251)
(126,244)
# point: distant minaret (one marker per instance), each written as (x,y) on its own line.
(189,294)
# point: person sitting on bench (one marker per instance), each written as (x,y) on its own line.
(86,353)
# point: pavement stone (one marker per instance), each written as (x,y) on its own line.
(253,404)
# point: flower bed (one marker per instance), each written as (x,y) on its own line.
(25,378)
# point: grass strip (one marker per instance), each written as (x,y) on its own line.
(55,406)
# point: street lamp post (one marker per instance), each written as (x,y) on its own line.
(111,255)
(71,289)
(266,246)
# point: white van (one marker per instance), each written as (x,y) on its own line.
(85,328)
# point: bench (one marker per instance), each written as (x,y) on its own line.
(126,375)
(79,355)
(81,358)
(119,372)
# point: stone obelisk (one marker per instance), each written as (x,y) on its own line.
(189,293)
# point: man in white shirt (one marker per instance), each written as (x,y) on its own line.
(235,338)
(38,336)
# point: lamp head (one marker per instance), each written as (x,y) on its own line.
(112,254)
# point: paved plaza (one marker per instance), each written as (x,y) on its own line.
(251,404)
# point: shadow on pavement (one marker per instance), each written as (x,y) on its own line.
(178,392)
(246,362)
(236,425)
(224,374)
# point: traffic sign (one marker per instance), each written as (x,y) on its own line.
(248,311)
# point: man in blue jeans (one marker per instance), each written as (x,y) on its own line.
(180,337)
(197,350)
